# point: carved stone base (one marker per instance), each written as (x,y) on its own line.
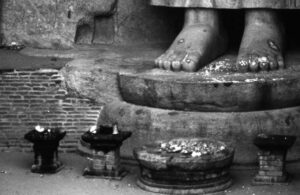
(214,88)
(184,189)
(176,173)
(271,158)
(54,168)
(46,163)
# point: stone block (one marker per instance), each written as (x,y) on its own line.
(98,164)
(271,158)
(271,173)
(274,163)
(268,180)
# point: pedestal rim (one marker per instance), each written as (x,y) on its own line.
(171,189)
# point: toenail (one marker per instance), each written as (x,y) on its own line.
(160,62)
(253,66)
(265,65)
(273,45)
(180,40)
(188,60)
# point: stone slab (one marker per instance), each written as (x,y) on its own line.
(212,92)
(230,4)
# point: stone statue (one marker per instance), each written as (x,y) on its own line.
(203,37)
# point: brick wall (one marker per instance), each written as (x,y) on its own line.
(28,98)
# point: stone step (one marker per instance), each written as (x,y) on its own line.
(230,4)
(236,128)
(129,74)
(211,91)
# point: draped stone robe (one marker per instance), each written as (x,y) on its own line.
(229,4)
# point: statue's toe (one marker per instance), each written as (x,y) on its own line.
(159,61)
(191,61)
(256,63)
(176,65)
(243,65)
(253,65)
(273,63)
(280,62)
(167,65)
(189,65)
(263,63)
(156,62)
(161,64)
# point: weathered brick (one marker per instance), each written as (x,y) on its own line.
(15,97)
(29,98)
(10,88)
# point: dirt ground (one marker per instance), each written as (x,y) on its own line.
(16,179)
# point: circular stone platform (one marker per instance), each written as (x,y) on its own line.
(230,4)
(178,173)
(213,88)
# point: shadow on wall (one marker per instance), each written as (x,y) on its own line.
(234,24)
(98,28)
(139,22)
(131,22)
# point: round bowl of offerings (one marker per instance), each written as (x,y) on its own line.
(185,166)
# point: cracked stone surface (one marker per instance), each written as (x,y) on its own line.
(58,24)
(49,23)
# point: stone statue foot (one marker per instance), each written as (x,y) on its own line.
(262,44)
(199,42)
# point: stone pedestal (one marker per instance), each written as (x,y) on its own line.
(46,158)
(45,147)
(104,157)
(272,156)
